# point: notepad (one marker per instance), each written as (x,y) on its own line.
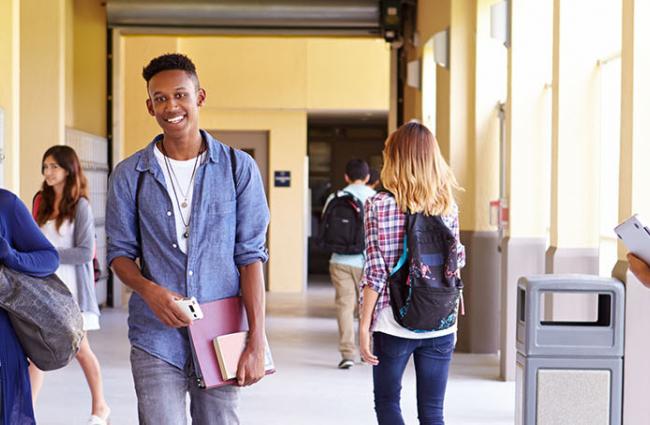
(221,317)
(229,349)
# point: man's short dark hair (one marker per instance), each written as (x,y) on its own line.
(374,176)
(357,169)
(170,61)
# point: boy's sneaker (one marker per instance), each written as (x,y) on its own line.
(346,364)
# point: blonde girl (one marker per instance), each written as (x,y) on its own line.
(417,180)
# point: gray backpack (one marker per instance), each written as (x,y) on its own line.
(44,315)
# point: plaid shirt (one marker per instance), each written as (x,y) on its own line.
(384,225)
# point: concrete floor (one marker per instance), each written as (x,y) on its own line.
(307,388)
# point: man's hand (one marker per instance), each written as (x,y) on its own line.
(251,364)
(640,269)
(161,302)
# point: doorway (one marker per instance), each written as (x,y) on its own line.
(332,141)
(256,144)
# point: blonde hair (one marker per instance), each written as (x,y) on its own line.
(416,173)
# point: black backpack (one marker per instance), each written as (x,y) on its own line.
(341,229)
(423,286)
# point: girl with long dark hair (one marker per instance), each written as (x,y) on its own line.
(65,217)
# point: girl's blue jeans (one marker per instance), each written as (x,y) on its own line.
(431,356)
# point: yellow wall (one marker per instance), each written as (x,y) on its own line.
(42,86)
(268,84)
(433,16)
(9,90)
(287,151)
(349,76)
(462,63)
(89,67)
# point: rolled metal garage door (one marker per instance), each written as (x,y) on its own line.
(333,17)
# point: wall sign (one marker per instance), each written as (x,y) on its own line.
(282,178)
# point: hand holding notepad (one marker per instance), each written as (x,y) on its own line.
(229,349)
(222,317)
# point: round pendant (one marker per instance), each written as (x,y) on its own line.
(186,235)
(184,204)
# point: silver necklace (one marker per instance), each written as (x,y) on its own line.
(172,174)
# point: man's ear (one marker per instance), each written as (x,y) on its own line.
(150,107)
(347,179)
(366,179)
(201,97)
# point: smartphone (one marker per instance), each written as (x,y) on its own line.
(636,237)
(190,307)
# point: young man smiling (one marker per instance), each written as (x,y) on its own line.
(198,229)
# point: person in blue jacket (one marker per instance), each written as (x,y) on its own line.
(22,248)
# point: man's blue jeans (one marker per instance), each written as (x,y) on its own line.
(162,388)
(432,357)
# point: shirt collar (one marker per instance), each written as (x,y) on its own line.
(148,158)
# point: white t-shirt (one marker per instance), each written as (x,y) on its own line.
(184,191)
(64,239)
(387,324)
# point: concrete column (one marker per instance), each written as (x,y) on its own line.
(528,145)
(10,92)
(578,43)
(634,198)
(42,85)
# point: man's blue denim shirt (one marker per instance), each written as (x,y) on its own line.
(227,230)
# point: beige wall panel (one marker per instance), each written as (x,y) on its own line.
(140,128)
(490,77)
(10,89)
(287,151)
(42,86)
(250,72)
(69,62)
(351,75)
(579,44)
(462,115)
(89,67)
(529,118)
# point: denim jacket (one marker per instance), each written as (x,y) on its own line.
(227,230)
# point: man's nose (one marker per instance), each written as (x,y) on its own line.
(171,104)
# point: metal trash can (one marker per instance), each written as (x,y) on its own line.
(569,372)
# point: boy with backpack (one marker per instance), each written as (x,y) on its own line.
(342,233)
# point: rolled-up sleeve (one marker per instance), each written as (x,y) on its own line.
(121,224)
(374,271)
(252,213)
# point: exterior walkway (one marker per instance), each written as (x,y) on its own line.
(307,389)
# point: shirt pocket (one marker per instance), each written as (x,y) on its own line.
(221,223)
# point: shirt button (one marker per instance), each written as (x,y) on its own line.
(191,273)
(169,213)
(174,245)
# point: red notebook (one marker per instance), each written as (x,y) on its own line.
(221,317)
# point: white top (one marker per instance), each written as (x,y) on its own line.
(64,239)
(386,323)
(184,191)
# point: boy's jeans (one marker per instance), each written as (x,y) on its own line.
(162,388)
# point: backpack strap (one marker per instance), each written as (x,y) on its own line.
(233,167)
(403,258)
(137,213)
(36,203)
